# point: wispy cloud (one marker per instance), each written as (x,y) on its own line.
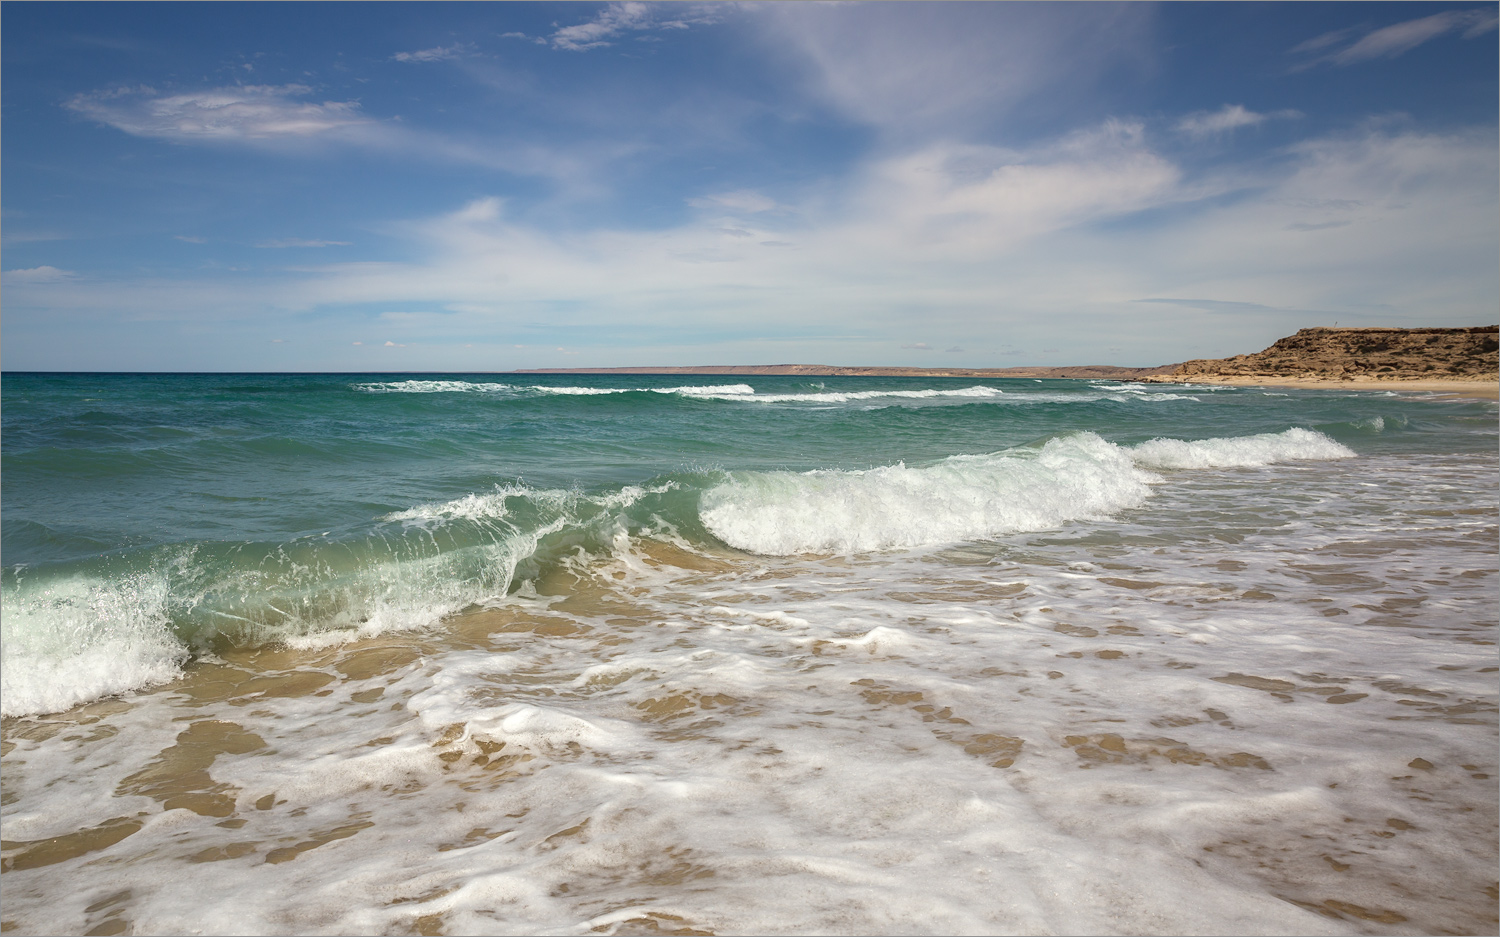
(1226,119)
(189,239)
(436,53)
(900,68)
(1394,40)
(244,113)
(280,119)
(619,18)
(301,242)
(42,274)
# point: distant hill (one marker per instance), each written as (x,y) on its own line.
(1465,354)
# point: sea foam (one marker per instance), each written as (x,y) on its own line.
(961,498)
(727,391)
(77,639)
(971,497)
(1239,452)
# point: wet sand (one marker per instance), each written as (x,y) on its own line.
(259,757)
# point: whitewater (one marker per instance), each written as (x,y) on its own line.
(524,654)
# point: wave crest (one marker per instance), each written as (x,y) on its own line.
(1239,452)
(971,497)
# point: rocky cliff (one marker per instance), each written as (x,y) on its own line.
(1364,354)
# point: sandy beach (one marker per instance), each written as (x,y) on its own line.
(1477,390)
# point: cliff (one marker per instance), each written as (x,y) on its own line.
(1465,354)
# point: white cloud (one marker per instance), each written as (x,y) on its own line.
(905,69)
(274,117)
(1044,248)
(923,224)
(1394,40)
(42,274)
(189,240)
(1226,119)
(1325,40)
(618,18)
(249,112)
(300,242)
(435,54)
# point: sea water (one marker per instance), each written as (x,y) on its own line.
(565,654)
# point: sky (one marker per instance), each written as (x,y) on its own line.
(496,186)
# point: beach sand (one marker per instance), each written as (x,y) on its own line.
(1478,390)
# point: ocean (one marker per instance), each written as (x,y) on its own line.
(515,654)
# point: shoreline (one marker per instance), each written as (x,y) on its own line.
(1488,389)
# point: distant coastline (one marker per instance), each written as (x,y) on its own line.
(1094,371)
(1457,360)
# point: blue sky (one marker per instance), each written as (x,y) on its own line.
(351,186)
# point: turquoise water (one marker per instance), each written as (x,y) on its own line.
(187,508)
(912,636)
(251,505)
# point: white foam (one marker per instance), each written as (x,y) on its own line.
(494,505)
(832,764)
(433,387)
(972,497)
(711,390)
(78,639)
(960,498)
(977,391)
(1239,452)
(489,505)
(490,387)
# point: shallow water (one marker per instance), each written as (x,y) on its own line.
(875,656)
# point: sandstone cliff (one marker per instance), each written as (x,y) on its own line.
(1465,354)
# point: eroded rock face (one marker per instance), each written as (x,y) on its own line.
(1382,354)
